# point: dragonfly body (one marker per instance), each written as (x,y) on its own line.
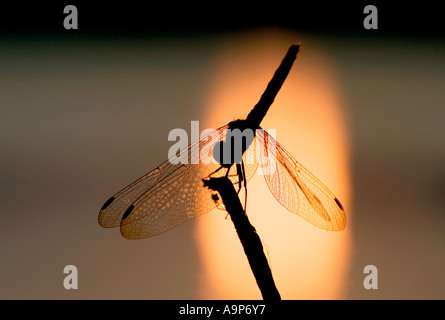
(231,151)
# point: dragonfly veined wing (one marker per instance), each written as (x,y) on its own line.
(172,193)
(296,188)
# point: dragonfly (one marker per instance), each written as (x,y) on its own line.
(173,193)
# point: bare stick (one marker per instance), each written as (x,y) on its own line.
(259,111)
(250,240)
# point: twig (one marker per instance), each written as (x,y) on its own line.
(250,240)
(260,109)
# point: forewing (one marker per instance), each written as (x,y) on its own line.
(173,201)
(297,189)
(112,211)
(164,197)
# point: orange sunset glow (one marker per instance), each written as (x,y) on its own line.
(306,262)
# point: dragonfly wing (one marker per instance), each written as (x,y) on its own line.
(180,198)
(112,211)
(298,190)
(166,196)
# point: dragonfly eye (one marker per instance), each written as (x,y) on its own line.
(231,151)
(218,152)
(224,154)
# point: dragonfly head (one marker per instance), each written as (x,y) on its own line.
(238,138)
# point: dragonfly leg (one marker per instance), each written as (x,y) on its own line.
(227,172)
(245,184)
(244,174)
(240,173)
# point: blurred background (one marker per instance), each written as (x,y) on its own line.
(85,112)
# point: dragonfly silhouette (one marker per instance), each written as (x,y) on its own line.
(173,193)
